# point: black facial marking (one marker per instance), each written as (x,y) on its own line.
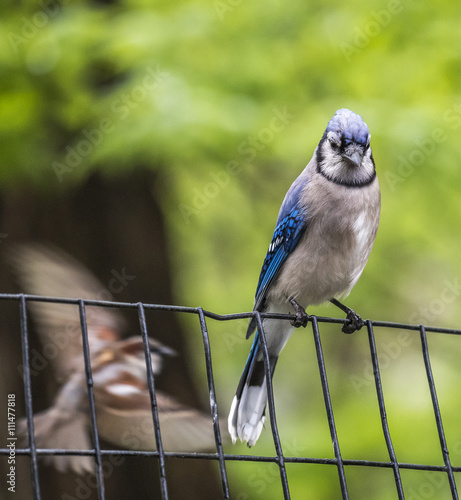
(320,159)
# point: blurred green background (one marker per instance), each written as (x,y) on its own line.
(225,102)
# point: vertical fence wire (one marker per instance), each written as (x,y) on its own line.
(271,406)
(438,416)
(28,398)
(329,408)
(382,411)
(153,399)
(213,404)
(89,384)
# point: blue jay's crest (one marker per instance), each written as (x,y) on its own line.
(349,126)
(344,154)
(323,236)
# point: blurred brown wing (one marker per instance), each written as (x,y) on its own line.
(124,415)
(45,271)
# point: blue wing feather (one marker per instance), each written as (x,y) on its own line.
(286,236)
(291,224)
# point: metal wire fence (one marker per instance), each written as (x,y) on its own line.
(280,459)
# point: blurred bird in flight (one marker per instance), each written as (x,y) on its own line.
(122,400)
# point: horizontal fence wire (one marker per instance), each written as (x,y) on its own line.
(280,459)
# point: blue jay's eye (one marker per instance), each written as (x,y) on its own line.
(334,140)
(367,145)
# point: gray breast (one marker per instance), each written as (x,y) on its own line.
(332,254)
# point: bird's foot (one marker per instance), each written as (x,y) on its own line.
(355,322)
(302,318)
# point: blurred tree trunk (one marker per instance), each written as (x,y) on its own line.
(110,225)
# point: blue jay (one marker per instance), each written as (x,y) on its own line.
(324,234)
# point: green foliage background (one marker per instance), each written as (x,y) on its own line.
(192,89)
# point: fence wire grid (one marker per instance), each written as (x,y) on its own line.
(280,459)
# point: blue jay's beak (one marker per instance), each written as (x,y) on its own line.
(354,157)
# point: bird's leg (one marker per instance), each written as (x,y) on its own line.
(355,321)
(301,315)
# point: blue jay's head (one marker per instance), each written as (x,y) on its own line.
(344,154)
